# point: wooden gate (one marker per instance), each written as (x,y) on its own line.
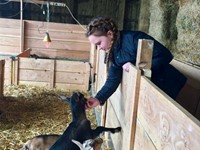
(149,118)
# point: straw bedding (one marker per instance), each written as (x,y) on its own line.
(27,111)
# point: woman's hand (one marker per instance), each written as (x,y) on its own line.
(91,103)
(126,66)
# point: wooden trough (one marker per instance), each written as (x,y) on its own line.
(149,118)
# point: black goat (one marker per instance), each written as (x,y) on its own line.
(80,127)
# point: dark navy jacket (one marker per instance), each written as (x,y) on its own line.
(165,76)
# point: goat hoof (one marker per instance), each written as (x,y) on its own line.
(118,129)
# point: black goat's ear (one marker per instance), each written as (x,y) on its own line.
(76,98)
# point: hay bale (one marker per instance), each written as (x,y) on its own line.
(188,25)
(162,22)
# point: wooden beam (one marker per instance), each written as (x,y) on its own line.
(2,68)
(144,56)
(41,2)
(32,1)
(21,27)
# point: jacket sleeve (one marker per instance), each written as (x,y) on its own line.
(111,84)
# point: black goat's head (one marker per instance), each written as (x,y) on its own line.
(77,100)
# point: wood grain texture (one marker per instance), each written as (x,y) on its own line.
(52,73)
(68,40)
(158,123)
(142,140)
(168,124)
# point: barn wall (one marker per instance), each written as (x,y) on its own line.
(68,40)
(82,10)
(172,22)
(68,51)
(10,35)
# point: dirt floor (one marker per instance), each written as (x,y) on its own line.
(27,111)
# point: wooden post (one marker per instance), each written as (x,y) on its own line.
(144,56)
(21,27)
(15,70)
(2,64)
(143,61)
(92,68)
(52,74)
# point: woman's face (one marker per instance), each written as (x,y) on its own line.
(102,42)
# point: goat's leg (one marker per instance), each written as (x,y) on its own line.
(101,129)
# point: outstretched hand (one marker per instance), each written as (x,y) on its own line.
(126,66)
(91,103)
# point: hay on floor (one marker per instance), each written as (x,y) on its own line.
(27,111)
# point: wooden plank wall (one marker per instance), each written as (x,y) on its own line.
(7,69)
(161,123)
(68,40)
(191,89)
(61,74)
(10,36)
(164,122)
(2,63)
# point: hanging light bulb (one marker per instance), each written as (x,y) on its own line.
(47,40)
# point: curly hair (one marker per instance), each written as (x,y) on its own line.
(100,26)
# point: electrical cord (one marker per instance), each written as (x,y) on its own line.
(16,13)
(74,17)
(5,3)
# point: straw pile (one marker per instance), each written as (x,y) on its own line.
(188,25)
(27,111)
(162,21)
(175,23)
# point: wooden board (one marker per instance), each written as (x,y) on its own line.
(2,64)
(142,140)
(112,121)
(10,36)
(189,97)
(159,122)
(67,40)
(168,125)
(53,73)
(124,102)
(7,70)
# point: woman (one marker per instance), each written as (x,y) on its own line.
(122,49)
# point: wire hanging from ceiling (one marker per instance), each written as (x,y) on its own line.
(74,17)
(69,12)
(4,3)
(42,9)
(16,13)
